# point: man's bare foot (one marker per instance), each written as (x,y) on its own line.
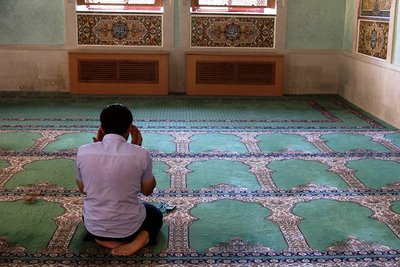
(128,249)
(108,244)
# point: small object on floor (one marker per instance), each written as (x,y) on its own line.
(165,207)
(30,200)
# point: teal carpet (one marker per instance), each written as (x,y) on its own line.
(266,181)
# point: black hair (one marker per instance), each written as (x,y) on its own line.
(115,119)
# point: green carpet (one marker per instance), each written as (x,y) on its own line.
(257,181)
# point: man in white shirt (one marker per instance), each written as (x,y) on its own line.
(112,172)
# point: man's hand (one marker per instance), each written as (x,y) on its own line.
(100,135)
(81,187)
(136,135)
(148,185)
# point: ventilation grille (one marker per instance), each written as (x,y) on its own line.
(117,71)
(241,73)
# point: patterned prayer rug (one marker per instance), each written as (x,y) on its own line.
(278,181)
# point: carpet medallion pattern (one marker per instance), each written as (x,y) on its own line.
(288,181)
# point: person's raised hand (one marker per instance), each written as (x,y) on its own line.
(136,135)
(99,136)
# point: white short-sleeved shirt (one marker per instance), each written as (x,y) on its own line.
(112,172)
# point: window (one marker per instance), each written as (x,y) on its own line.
(120,5)
(236,6)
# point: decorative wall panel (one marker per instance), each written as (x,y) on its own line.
(373,38)
(228,31)
(120,30)
(375,8)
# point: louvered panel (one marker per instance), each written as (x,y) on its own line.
(98,71)
(256,73)
(119,73)
(138,71)
(123,71)
(215,73)
(235,73)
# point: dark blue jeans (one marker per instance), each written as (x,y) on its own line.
(152,224)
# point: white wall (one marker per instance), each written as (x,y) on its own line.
(371,85)
(311,72)
(45,67)
(33,69)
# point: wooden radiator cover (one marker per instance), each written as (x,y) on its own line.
(222,74)
(111,73)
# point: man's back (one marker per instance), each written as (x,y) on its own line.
(112,172)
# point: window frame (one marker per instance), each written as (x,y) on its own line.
(156,7)
(197,8)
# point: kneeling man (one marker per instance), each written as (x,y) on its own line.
(112,172)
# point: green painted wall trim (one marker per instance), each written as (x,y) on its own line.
(315,24)
(396,36)
(176,23)
(349,25)
(32,22)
